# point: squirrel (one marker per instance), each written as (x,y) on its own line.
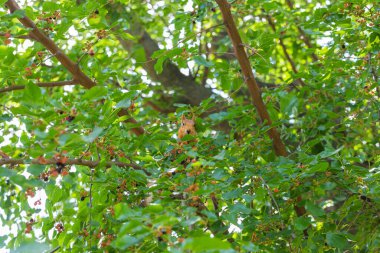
(187,127)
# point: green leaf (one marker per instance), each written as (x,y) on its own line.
(120,119)
(200,60)
(158,66)
(27,247)
(70,140)
(125,103)
(218,116)
(50,6)
(302,223)
(139,54)
(336,240)
(95,93)
(220,156)
(240,208)
(270,6)
(2,240)
(122,211)
(94,20)
(288,103)
(36,169)
(18,179)
(127,36)
(18,14)
(125,242)
(204,243)
(314,209)
(319,167)
(330,152)
(93,135)
(32,93)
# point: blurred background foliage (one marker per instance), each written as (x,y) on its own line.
(317,63)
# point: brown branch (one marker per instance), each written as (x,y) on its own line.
(304,37)
(88,163)
(27,37)
(48,85)
(73,68)
(290,4)
(39,36)
(254,89)
(157,108)
(284,49)
(171,77)
(249,78)
(138,130)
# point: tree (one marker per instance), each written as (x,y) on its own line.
(285,99)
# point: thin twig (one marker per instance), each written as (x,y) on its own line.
(47,84)
(304,37)
(88,163)
(194,34)
(55,249)
(26,37)
(284,49)
(271,195)
(90,196)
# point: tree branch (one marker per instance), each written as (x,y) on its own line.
(138,130)
(249,78)
(81,162)
(254,89)
(39,36)
(48,85)
(304,37)
(158,108)
(171,76)
(284,49)
(73,68)
(27,37)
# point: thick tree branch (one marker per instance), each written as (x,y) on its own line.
(254,89)
(73,68)
(249,78)
(81,162)
(48,85)
(171,77)
(284,49)
(39,36)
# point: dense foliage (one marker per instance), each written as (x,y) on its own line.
(92,162)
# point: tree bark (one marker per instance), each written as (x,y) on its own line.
(249,78)
(39,36)
(78,76)
(254,89)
